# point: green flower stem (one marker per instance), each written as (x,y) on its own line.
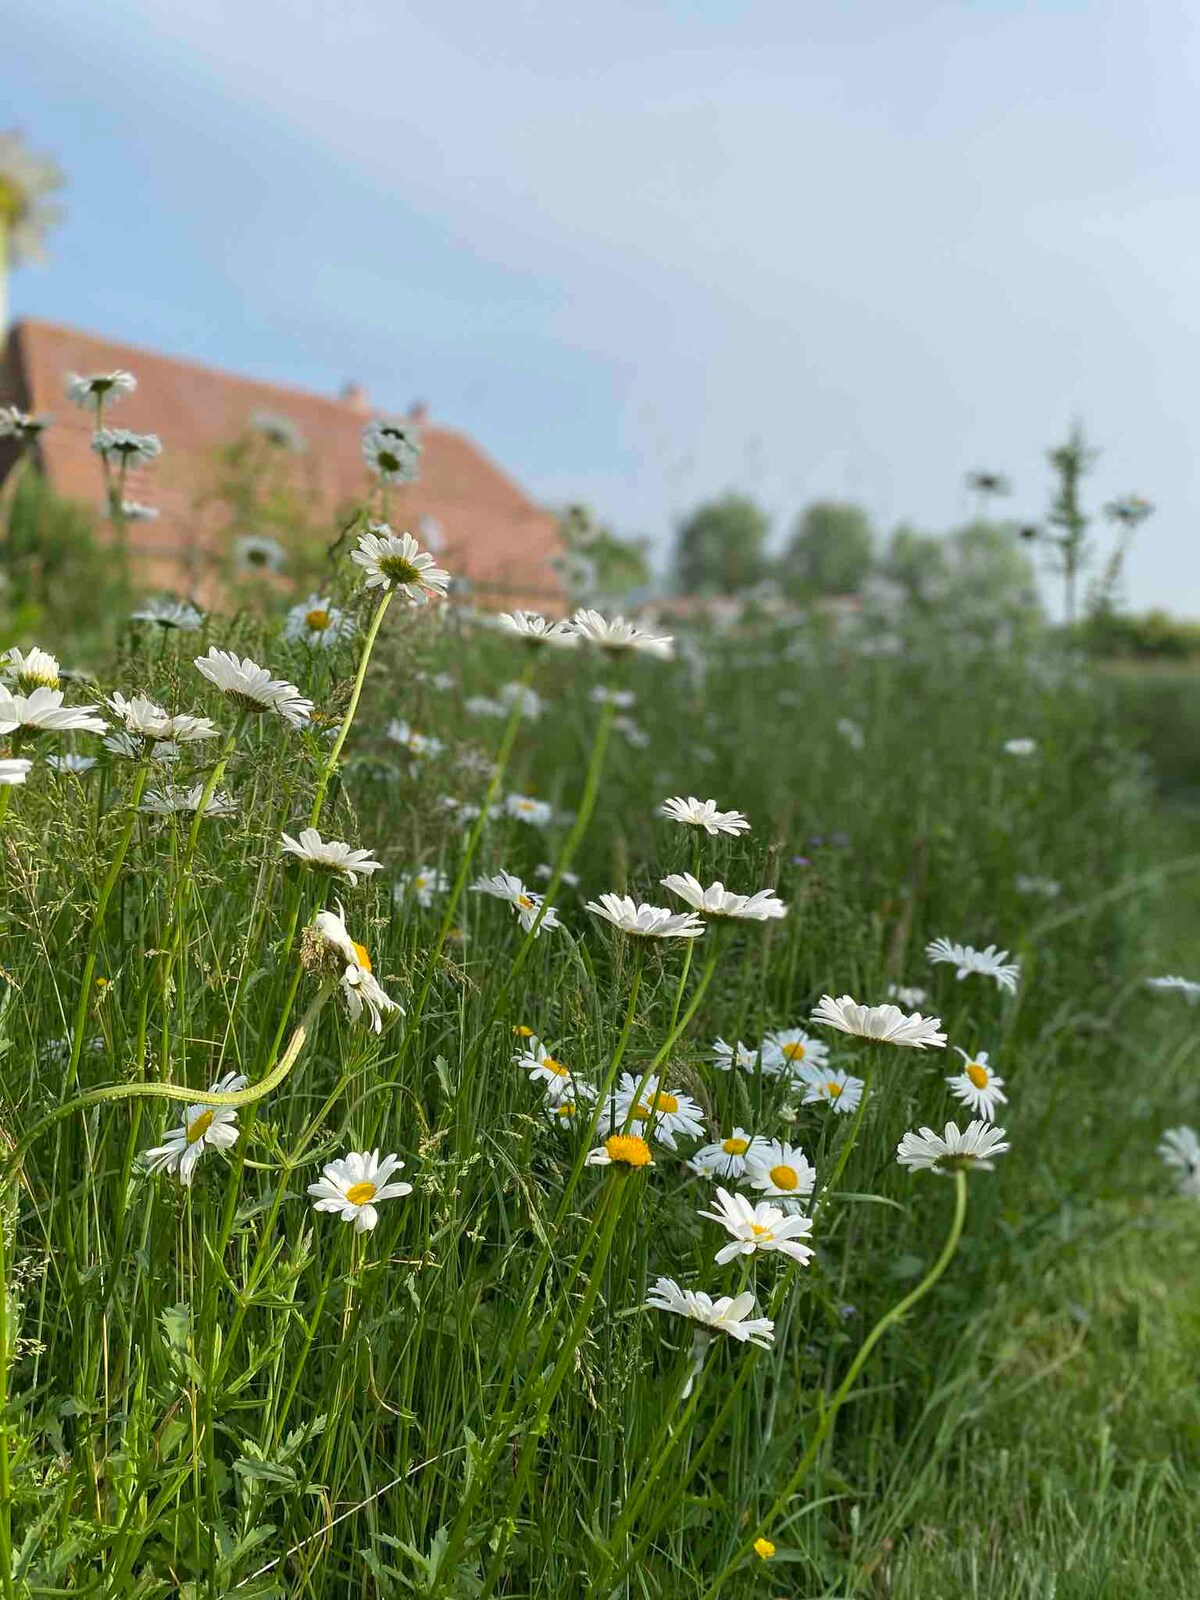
(844,1154)
(331,761)
(4,794)
(829,1414)
(677,1028)
(6,1577)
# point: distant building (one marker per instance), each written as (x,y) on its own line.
(485,528)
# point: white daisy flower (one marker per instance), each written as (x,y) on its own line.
(990,963)
(565,1113)
(520,694)
(620,699)
(786,1051)
(1184,986)
(129,449)
(1020,747)
(277,429)
(621,1149)
(718,901)
(618,637)
(330,855)
(170,615)
(318,622)
(1180,1149)
(252,688)
(952,1151)
(760,1227)
(907,995)
(525,902)
(535,630)
(361,992)
(392,450)
(30,669)
(977,1086)
(1045,888)
(728,1056)
(852,733)
(178,799)
(524,808)
(354,1186)
(135,511)
(424,885)
(729,1314)
(146,720)
(782,1171)
(21,425)
(479,705)
(728,1157)
(105,387)
(704,814)
(258,552)
(668,1114)
(417,744)
(644,921)
(545,871)
(13,771)
(832,1087)
(124,744)
(43,712)
(71,763)
(886,1023)
(201,1127)
(558,1080)
(396,561)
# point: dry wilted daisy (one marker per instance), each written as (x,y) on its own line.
(759,1227)
(644,921)
(355,1184)
(252,688)
(618,637)
(396,561)
(888,1023)
(951,1151)
(718,901)
(704,814)
(525,902)
(729,1314)
(201,1127)
(330,855)
(990,963)
(977,1086)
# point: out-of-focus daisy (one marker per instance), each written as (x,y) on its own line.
(328,945)
(644,921)
(763,1227)
(125,448)
(121,743)
(355,1185)
(536,631)
(1044,888)
(615,636)
(787,1050)
(143,719)
(1020,747)
(179,799)
(396,561)
(30,669)
(726,1158)
(727,1056)
(665,1114)
(392,449)
(43,712)
(258,552)
(621,1149)
(201,1127)
(632,732)
(277,429)
(977,1086)
(887,1023)
(13,771)
(423,885)
(481,705)
(252,688)
(135,511)
(330,855)
(852,733)
(910,995)
(170,615)
(521,695)
(21,425)
(417,744)
(952,1151)
(1189,989)
(782,1171)
(103,387)
(729,1314)
(601,694)
(1180,1149)
(545,871)
(832,1087)
(704,814)
(989,963)
(527,809)
(318,622)
(72,763)
(525,902)
(718,901)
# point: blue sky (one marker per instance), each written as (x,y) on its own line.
(649,251)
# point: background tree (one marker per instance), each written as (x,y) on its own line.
(597,563)
(830,551)
(918,562)
(720,548)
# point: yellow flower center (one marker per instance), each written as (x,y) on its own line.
(360,950)
(522,1031)
(199,1126)
(784,1177)
(977,1074)
(317,620)
(551,1065)
(764,1549)
(359,1194)
(735,1147)
(794,1051)
(833,1089)
(628,1148)
(759,1232)
(565,1108)
(666,1102)
(525,903)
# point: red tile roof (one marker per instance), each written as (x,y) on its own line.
(491,532)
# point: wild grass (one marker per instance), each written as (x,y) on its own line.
(216,1391)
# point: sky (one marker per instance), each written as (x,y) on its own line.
(647,251)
